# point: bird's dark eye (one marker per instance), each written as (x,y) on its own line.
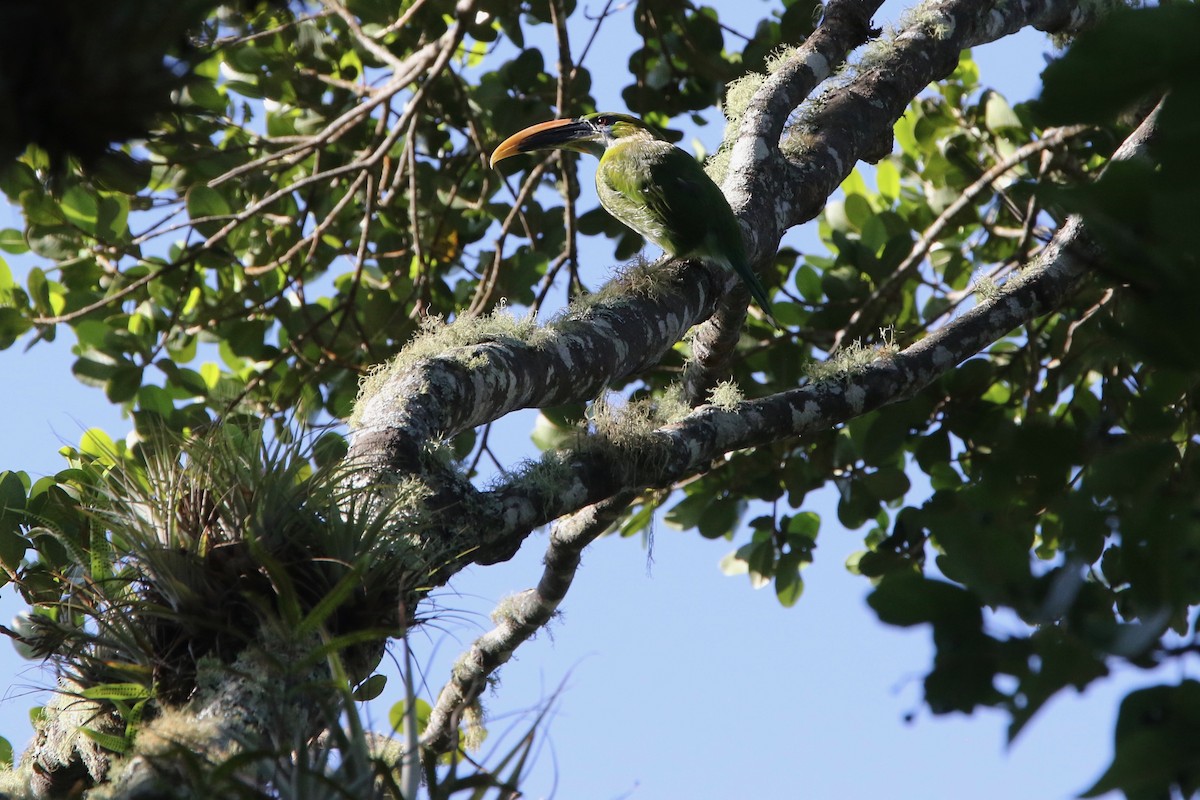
(604,121)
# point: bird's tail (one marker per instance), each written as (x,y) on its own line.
(757,291)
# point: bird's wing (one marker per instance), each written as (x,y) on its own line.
(660,192)
(704,224)
(683,194)
(665,195)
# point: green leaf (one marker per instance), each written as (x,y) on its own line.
(905,599)
(203,203)
(998,114)
(56,242)
(80,208)
(118,691)
(638,521)
(156,399)
(686,514)
(123,384)
(837,218)
(887,178)
(369,689)
(887,483)
(1157,744)
(788,583)
(858,210)
(117,744)
(1127,56)
(760,559)
(1062,660)
(12,514)
(98,444)
(803,527)
(734,564)
(94,369)
(13,324)
(548,435)
(6,754)
(39,289)
(332,599)
(721,517)
(112,219)
(329,449)
(119,172)
(13,241)
(808,283)
(397,712)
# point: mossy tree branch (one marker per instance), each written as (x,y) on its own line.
(415,404)
(435,398)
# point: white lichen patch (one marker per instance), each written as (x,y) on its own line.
(726,395)
(928,20)
(856,396)
(780,56)
(986,289)
(515,608)
(942,358)
(717,165)
(738,95)
(804,418)
(633,430)
(473,730)
(995,22)
(623,425)
(449,340)
(639,278)
(818,65)
(854,358)
(839,162)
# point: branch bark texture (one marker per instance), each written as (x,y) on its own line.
(436,398)
(773,185)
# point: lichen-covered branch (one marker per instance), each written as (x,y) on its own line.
(755,152)
(854,122)
(417,403)
(414,403)
(421,401)
(246,708)
(686,447)
(773,188)
(757,168)
(518,618)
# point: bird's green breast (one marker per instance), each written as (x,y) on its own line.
(625,183)
(664,194)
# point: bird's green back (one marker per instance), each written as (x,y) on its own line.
(664,194)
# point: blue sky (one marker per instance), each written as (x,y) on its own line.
(668,678)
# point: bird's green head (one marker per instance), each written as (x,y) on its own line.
(591,133)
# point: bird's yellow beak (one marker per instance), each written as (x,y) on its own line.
(557,133)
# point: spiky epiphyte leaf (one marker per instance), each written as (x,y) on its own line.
(207,544)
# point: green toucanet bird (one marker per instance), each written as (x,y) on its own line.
(651,186)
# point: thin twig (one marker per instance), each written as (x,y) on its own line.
(369,44)
(892,284)
(518,618)
(487,284)
(421,281)
(604,14)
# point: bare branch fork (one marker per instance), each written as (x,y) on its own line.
(572,360)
